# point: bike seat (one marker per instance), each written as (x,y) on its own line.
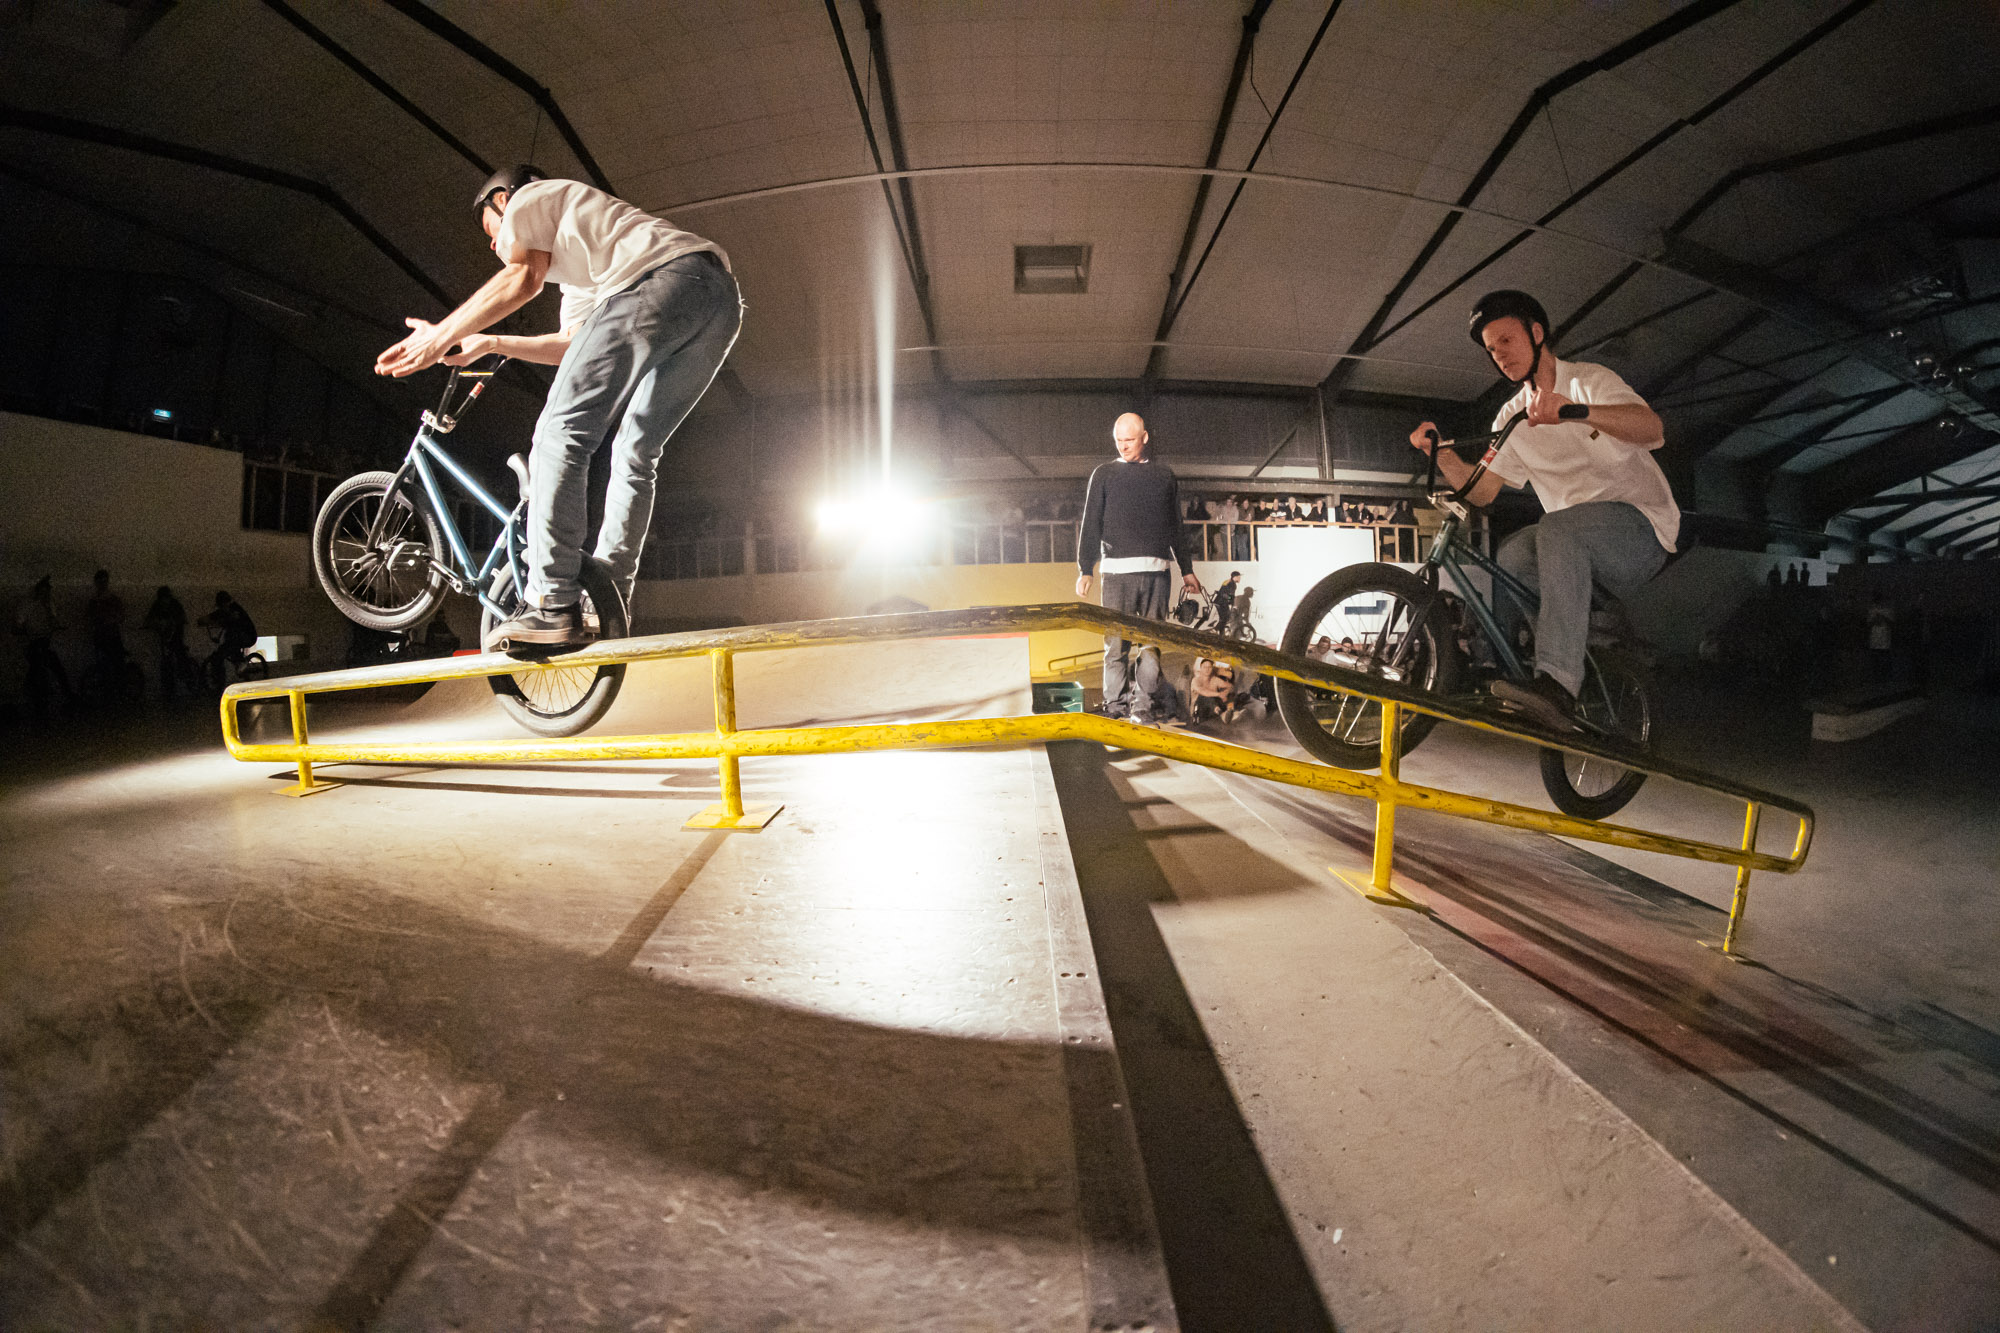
(519,466)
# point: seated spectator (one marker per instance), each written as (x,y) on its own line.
(1210,688)
(1321,649)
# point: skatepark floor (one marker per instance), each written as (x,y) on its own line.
(1065,1038)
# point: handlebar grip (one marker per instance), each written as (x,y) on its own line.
(1573,411)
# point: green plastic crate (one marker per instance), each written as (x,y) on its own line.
(1059,696)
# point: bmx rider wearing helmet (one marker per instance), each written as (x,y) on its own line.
(1609,513)
(648,314)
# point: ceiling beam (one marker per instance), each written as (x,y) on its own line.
(1667,28)
(1688,364)
(288,286)
(1674,127)
(1244,45)
(1821,318)
(1957,536)
(1916,530)
(1865,143)
(892,125)
(1770,460)
(1909,501)
(379,84)
(439,26)
(1178,299)
(1910,452)
(62,127)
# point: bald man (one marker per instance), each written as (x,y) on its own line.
(1131,531)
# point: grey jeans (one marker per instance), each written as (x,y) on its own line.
(638,365)
(1146,596)
(1606,540)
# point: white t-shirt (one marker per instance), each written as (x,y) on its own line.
(1573,462)
(598,245)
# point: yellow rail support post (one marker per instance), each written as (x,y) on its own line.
(1740,900)
(730,814)
(306,785)
(1380,886)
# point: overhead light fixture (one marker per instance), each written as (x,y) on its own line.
(1051,270)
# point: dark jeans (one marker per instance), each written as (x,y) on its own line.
(636,369)
(1146,596)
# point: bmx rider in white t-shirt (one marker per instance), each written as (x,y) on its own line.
(1610,515)
(648,314)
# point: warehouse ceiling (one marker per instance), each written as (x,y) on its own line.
(1777,217)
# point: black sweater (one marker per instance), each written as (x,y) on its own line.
(1132,509)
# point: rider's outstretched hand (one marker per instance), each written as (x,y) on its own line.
(420,351)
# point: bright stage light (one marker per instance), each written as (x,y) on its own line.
(883,517)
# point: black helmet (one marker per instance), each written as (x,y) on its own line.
(509,179)
(1505,303)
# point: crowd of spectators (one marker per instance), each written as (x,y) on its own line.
(1270,509)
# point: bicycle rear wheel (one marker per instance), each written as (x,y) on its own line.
(1381,611)
(388,582)
(563,701)
(1617,701)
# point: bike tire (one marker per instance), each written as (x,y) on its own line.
(1341,729)
(375,588)
(563,701)
(253,667)
(1617,697)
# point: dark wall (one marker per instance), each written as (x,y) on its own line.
(113,349)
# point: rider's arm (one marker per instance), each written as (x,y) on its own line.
(544,349)
(1632,423)
(501,295)
(1455,469)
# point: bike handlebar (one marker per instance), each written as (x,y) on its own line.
(1494,441)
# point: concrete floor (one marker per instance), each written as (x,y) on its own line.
(964,1040)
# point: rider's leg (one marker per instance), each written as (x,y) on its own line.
(694,321)
(1517,556)
(624,340)
(1609,540)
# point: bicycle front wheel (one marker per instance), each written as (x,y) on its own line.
(1380,621)
(563,701)
(1616,703)
(381,580)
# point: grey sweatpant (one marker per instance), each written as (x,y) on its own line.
(1607,540)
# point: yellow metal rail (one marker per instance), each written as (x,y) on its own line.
(729,746)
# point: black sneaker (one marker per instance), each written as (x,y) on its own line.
(1543,700)
(534,630)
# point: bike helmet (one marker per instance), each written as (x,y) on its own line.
(1508,303)
(509,179)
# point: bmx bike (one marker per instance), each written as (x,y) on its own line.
(1405,627)
(387,550)
(249,664)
